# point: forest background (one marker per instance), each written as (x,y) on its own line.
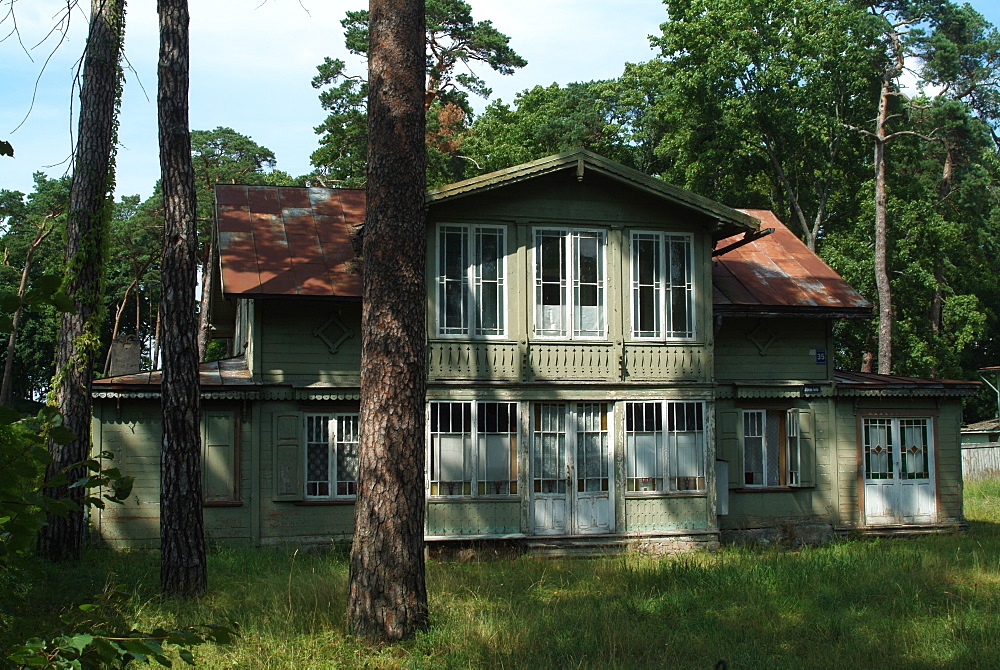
(769,105)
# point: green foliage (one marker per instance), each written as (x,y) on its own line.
(453,39)
(6,148)
(545,120)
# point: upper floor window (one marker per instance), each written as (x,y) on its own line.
(570,284)
(471,281)
(662,286)
(771,448)
(331,455)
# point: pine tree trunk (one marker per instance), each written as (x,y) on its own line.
(182,538)
(86,235)
(388,598)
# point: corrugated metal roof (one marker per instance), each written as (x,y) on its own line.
(862,382)
(287,240)
(778,273)
(294,241)
(225,374)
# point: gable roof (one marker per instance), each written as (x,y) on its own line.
(292,241)
(778,274)
(728,221)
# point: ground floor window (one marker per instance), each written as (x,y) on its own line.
(473,448)
(771,448)
(558,426)
(896,442)
(665,446)
(331,455)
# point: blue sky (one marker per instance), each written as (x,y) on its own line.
(252,62)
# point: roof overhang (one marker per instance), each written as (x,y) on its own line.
(728,221)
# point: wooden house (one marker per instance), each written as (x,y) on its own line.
(613,362)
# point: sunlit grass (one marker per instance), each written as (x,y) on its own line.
(921,602)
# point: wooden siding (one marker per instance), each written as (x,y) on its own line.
(473,517)
(309,342)
(772,349)
(980,461)
(666,514)
(759,508)
(131,431)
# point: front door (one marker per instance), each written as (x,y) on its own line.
(570,469)
(899,471)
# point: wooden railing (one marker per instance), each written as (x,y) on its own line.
(555,361)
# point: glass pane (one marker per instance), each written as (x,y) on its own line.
(753,448)
(773,448)
(878,448)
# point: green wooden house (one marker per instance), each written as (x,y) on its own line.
(613,362)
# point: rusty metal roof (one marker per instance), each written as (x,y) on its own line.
(871,383)
(295,241)
(225,374)
(288,240)
(778,274)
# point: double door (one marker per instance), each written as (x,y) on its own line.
(899,470)
(572,485)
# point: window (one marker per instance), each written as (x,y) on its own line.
(574,434)
(471,281)
(569,284)
(887,439)
(331,455)
(665,446)
(473,448)
(662,286)
(771,448)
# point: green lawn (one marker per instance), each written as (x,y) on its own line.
(923,602)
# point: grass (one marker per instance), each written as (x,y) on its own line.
(920,602)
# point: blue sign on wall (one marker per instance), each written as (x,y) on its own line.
(821,357)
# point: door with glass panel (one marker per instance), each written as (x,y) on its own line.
(572,486)
(899,470)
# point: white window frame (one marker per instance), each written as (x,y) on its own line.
(788,471)
(664,329)
(569,284)
(475,433)
(472,282)
(660,421)
(341,435)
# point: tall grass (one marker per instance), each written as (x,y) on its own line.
(922,602)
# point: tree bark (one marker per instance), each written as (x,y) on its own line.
(882,285)
(388,597)
(206,287)
(87,224)
(182,539)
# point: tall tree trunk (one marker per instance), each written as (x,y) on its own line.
(388,597)
(182,537)
(90,204)
(8,367)
(882,285)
